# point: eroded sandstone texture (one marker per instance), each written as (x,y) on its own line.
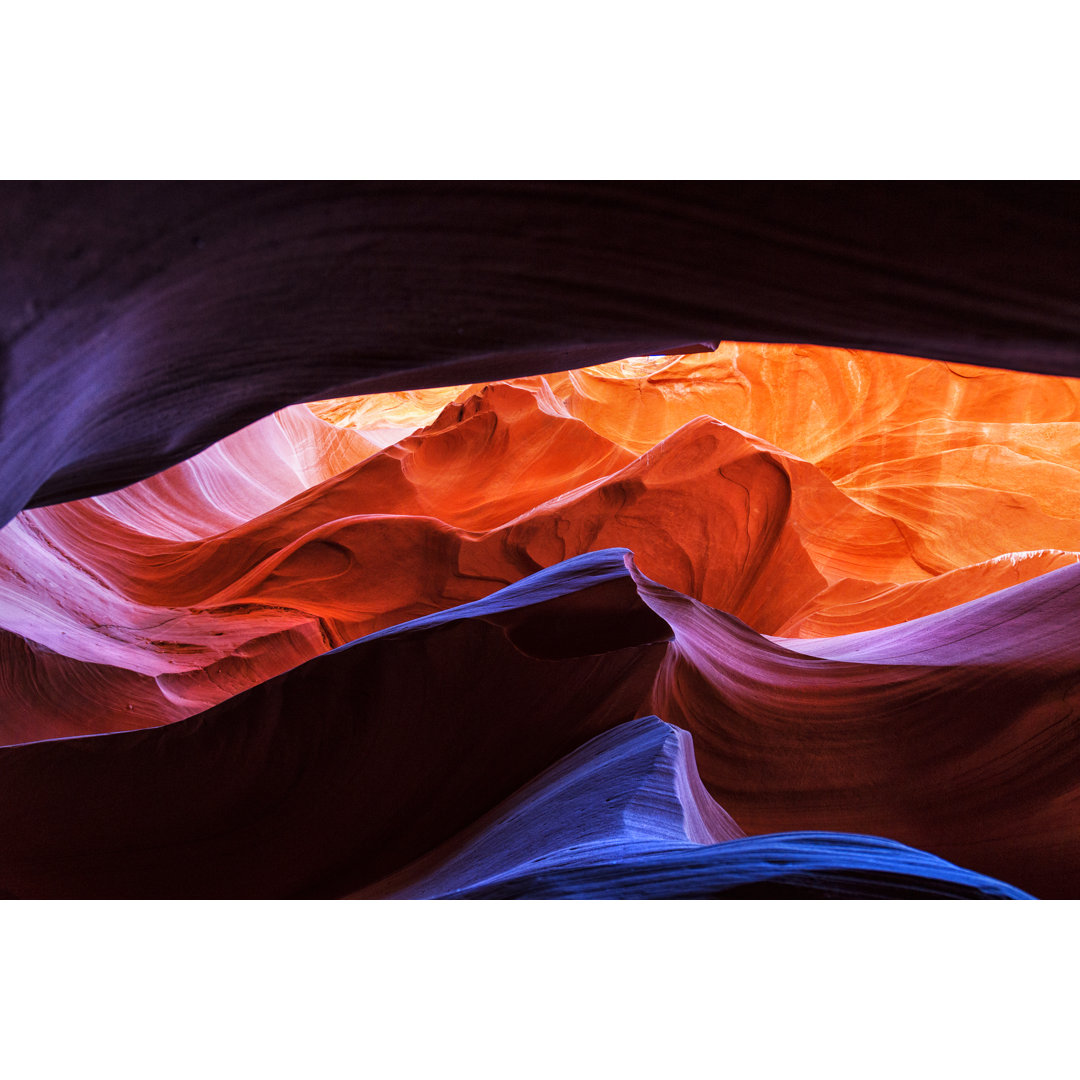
(331,568)
(828,573)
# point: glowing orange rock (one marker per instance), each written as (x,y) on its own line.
(816,402)
(873,490)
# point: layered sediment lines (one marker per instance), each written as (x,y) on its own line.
(955,732)
(384,768)
(627,816)
(140,323)
(771,620)
(633,630)
(300,534)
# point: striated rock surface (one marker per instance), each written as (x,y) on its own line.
(341,771)
(954,732)
(398,644)
(297,535)
(627,816)
(141,322)
(333,777)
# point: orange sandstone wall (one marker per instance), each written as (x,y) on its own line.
(807,491)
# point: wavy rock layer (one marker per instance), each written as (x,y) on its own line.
(954,732)
(300,534)
(142,322)
(318,658)
(336,776)
(627,816)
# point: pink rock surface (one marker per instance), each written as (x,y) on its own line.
(951,733)
(330,646)
(325,538)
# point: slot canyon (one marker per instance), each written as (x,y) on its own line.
(478,540)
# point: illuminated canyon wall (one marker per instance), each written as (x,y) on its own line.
(767,620)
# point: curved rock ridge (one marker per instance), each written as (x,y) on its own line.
(256,469)
(631,790)
(242,477)
(328,647)
(954,732)
(626,815)
(781,866)
(337,775)
(141,322)
(971,463)
(346,768)
(296,535)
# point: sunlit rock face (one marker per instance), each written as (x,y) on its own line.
(805,491)
(406,644)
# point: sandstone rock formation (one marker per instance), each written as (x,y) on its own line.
(456,540)
(337,775)
(297,535)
